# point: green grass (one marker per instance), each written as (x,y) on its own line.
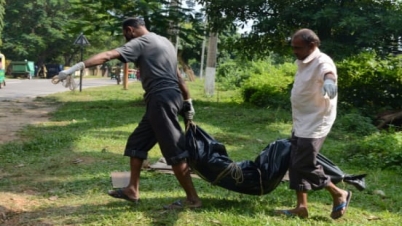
(40,183)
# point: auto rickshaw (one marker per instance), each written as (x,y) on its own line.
(2,70)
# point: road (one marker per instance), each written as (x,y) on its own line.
(19,88)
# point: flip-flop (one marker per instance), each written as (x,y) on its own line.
(289,214)
(179,204)
(340,207)
(119,194)
(286,213)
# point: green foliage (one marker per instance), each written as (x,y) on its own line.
(2,11)
(370,84)
(344,27)
(162,17)
(379,150)
(34,30)
(268,84)
(354,123)
(231,74)
(166,18)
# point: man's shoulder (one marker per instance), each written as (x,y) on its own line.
(324,58)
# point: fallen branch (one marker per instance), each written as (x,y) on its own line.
(388,118)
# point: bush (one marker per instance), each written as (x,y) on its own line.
(370,84)
(231,74)
(354,123)
(269,85)
(380,150)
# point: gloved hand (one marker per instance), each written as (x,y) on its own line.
(329,88)
(65,73)
(188,109)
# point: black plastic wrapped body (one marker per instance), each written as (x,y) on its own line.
(209,159)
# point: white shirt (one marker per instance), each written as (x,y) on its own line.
(313,114)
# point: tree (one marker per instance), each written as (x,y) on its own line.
(2,5)
(345,27)
(34,30)
(42,31)
(160,17)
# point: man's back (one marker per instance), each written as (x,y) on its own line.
(157,58)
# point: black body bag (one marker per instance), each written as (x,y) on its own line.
(209,160)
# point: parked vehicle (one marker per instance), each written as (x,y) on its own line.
(53,69)
(2,70)
(23,68)
(2,78)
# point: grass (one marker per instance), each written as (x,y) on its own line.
(42,183)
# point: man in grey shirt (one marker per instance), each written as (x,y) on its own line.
(166,96)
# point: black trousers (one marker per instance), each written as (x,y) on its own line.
(160,124)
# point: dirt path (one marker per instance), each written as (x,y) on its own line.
(17,113)
(14,115)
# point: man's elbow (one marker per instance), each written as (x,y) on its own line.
(111,54)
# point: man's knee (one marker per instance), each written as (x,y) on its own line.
(136,154)
(177,159)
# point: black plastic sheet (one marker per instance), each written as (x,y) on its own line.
(209,160)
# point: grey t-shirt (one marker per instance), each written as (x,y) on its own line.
(156,58)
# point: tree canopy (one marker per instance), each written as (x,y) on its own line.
(34,30)
(345,27)
(167,18)
(162,17)
(44,30)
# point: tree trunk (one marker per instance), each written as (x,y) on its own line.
(187,69)
(211,64)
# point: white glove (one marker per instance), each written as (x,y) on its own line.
(188,108)
(329,88)
(65,73)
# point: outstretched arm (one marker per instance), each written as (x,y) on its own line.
(97,59)
(101,58)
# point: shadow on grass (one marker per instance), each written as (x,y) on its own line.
(120,212)
(45,161)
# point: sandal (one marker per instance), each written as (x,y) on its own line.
(179,204)
(288,213)
(337,210)
(119,194)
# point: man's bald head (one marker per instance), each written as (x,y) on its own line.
(308,36)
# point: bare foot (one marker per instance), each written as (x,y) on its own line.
(297,212)
(195,203)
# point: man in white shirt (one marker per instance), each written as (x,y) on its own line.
(314,103)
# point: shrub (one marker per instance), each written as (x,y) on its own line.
(370,84)
(356,124)
(231,74)
(379,150)
(269,85)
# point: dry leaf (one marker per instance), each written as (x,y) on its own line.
(371,217)
(53,198)
(77,161)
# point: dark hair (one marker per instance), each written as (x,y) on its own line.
(133,22)
(307,35)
